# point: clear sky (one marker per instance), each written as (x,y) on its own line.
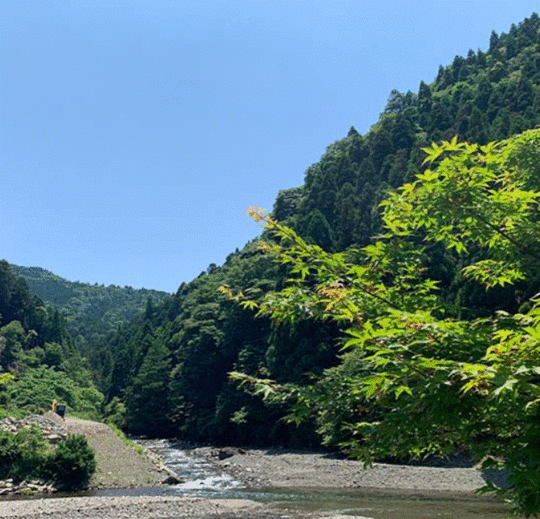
(134,134)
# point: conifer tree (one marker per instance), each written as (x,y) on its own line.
(147,395)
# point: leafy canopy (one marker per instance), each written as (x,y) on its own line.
(418,379)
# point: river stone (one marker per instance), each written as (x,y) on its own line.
(172,480)
(227,452)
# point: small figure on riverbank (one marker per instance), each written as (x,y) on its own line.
(61,410)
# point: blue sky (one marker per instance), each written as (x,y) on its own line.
(133,135)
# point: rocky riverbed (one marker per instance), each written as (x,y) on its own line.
(140,507)
(119,466)
(279,468)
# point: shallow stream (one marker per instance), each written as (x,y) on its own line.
(202,478)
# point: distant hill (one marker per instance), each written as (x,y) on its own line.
(92,311)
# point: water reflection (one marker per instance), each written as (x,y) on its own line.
(388,506)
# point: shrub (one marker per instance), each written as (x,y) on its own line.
(9,452)
(23,455)
(36,388)
(115,413)
(26,455)
(72,463)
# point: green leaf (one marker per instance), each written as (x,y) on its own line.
(403,389)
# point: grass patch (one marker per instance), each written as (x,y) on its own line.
(17,414)
(130,443)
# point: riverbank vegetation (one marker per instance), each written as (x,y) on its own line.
(26,455)
(40,364)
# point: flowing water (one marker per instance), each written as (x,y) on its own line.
(201,478)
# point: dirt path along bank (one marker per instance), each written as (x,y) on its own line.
(118,465)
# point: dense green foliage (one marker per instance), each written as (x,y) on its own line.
(26,455)
(421,380)
(482,97)
(37,355)
(23,454)
(40,363)
(35,388)
(172,362)
(91,311)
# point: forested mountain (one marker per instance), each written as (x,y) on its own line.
(170,365)
(91,311)
(39,361)
(482,97)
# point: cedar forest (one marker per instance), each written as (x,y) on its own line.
(389,310)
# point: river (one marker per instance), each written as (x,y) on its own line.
(202,478)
